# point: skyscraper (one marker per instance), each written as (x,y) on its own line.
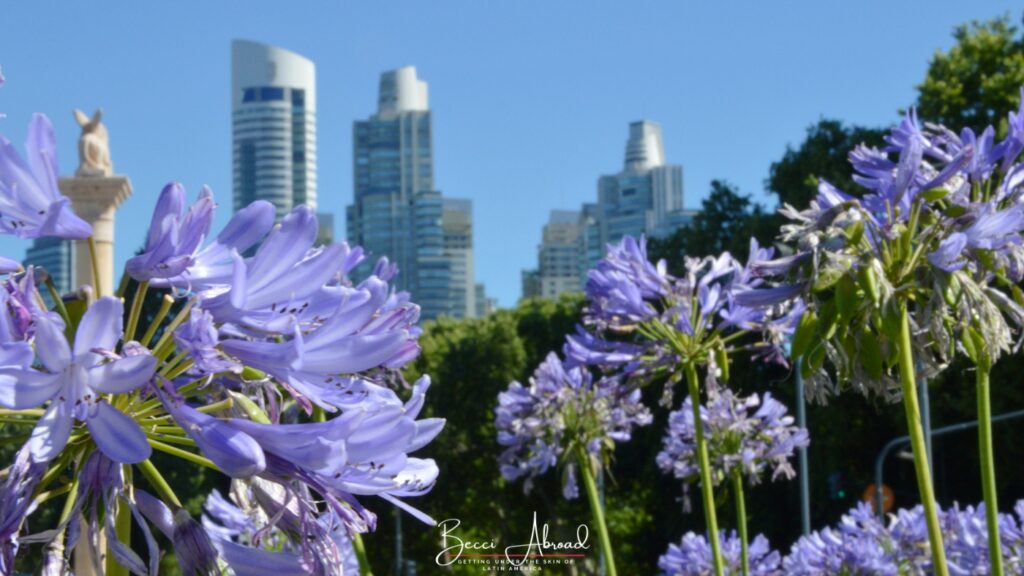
(397,212)
(57,257)
(273,115)
(645,197)
(457,224)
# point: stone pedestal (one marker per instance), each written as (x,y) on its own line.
(96,199)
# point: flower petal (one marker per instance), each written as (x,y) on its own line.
(100,326)
(51,345)
(50,434)
(21,389)
(122,375)
(117,435)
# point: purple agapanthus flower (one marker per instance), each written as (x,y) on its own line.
(267,290)
(75,380)
(211,268)
(562,406)
(750,434)
(16,503)
(199,337)
(174,234)
(31,205)
(717,295)
(318,366)
(692,556)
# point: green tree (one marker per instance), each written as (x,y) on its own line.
(822,155)
(726,222)
(978,80)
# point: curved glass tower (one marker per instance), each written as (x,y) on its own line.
(273,117)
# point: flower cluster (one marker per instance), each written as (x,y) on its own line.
(695,318)
(692,556)
(562,411)
(748,434)
(861,544)
(261,335)
(937,232)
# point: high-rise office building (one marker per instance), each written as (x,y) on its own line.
(57,257)
(645,197)
(273,116)
(397,212)
(457,224)
(558,254)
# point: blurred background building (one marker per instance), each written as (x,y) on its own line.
(397,211)
(645,197)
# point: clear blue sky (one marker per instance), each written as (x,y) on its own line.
(531,98)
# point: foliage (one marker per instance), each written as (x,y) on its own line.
(822,155)
(977,79)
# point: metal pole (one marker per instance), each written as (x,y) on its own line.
(805,482)
(880,460)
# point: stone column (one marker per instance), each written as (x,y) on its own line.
(95,199)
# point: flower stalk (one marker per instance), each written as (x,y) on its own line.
(741,520)
(908,379)
(589,482)
(988,471)
(706,485)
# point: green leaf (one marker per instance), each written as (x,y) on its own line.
(934,195)
(869,283)
(254,412)
(1018,295)
(722,359)
(814,359)
(854,232)
(871,354)
(827,278)
(846,297)
(805,332)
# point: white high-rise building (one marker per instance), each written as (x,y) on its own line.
(273,117)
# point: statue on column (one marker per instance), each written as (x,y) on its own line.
(93,146)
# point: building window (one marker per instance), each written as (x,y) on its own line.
(271,94)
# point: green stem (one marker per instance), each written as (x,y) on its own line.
(364,562)
(183,454)
(95,267)
(165,307)
(988,469)
(123,528)
(908,379)
(136,311)
(706,487)
(165,345)
(122,285)
(741,520)
(157,481)
(587,472)
(225,404)
(58,302)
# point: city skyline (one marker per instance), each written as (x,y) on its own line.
(532,115)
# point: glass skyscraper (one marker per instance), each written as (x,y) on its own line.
(273,111)
(57,257)
(645,197)
(397,212)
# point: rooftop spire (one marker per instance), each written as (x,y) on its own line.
(644,149)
